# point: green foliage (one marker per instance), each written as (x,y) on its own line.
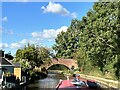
(101,36)
(23,62)
(32,56)
(67,42)
(94,41)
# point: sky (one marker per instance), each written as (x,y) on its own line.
(37,22)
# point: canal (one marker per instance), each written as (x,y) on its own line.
(50,82)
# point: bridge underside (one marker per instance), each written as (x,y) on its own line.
(58,67)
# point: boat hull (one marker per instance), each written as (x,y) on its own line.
(69,84)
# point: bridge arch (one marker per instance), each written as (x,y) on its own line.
(57,64)
(66,62)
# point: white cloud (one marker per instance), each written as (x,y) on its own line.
(35,34)
(24,42)
(49,34)
(19,44)
(38,38)
(3,45)
(5,19)
(57,9)
(74,15)
(15,45)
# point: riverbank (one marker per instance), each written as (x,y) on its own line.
(106,82)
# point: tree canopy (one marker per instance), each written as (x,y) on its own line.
(94,39)
(32,56)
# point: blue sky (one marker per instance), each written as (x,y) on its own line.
(37,22)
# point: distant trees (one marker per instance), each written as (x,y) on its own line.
(94,40)
(31,56)
(8,55)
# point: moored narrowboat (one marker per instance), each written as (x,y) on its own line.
(77,84)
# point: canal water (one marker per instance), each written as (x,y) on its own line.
(50,82)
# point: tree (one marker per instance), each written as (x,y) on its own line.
(97,35)
(43,56)
(102,34)
(34,55)
(67,42)
(9,56)
(25,65)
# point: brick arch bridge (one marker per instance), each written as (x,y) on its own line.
(66,62)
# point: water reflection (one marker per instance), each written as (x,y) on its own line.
(50,82)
